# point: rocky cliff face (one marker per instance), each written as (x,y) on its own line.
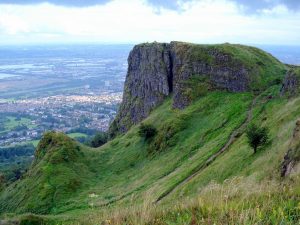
(148,83)
(186,71)
(292,157)
(291,84)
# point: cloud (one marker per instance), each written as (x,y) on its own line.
(255,6)
(251,6)
(134,21)
(168,4)
(72,3)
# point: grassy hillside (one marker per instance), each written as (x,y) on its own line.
(77,183)
(58,171)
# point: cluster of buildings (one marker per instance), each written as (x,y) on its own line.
(60,113)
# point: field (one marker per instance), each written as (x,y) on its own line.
(14,122)
(71,135)
(76,135)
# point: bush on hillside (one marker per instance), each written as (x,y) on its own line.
(257,136)
(147,131)
(31,219)
(99,139)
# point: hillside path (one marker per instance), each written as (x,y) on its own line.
(233,137)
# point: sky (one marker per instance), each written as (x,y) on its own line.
(274,22)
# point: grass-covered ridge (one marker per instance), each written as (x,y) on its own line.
(264,69)
(57,173)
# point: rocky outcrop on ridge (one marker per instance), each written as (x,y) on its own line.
(185,71)
(291,83)
(292,157)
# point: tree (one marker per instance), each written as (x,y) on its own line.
(147,131)
(257,136)
(99,139)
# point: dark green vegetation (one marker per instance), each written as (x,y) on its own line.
(14,161)
(147,131)
(201,170)
(14,122)
(257,136)
(98,140)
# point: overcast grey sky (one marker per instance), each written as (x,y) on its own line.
(133,21)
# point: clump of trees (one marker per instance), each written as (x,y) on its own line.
(12,152)
(99,139)
(257,136)
(147,131)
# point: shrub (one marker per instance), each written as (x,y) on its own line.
(147,131)
(257,136)
(99,139)
(32,220)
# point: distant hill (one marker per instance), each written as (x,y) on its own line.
(196,167)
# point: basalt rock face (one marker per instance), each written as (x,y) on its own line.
(292,157)
(185,71)
(291,84)
(218,68)
(148,83)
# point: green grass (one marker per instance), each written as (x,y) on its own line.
(76,135)
(53,176)
(119,181)
(13,122)
(35,142)
(71,135)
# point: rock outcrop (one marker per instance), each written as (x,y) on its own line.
(292,157)
(148,83)
(291,84)
(186,71)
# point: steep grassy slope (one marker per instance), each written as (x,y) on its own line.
(58,171)
(129,171)
(253,191)
(128,164)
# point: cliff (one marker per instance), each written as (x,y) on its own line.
(186,71)
(290,86)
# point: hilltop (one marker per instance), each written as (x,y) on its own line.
(187,71)
(198,167)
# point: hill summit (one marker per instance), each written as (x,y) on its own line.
(185,71)
(56,173)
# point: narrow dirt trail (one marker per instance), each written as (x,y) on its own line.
(233,137)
